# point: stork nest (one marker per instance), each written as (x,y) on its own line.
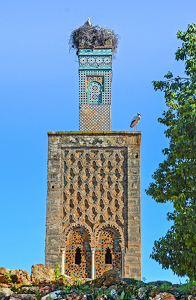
(92,36)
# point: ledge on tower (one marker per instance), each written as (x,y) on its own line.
(136,133)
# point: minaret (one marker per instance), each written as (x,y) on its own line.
(95,76)
(93,184)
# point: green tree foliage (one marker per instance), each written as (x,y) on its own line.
(175,178)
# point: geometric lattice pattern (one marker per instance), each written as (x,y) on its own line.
(94,117)
(93,186)
(95,60)
(89,79)
(83,87)
(93,199)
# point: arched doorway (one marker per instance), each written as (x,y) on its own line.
(108,251)
(78,253)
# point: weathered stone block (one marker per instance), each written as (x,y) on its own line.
(41,273)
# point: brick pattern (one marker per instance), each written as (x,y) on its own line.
(94,117)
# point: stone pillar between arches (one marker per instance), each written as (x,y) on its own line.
(123,263)
(63,261)
(93,262)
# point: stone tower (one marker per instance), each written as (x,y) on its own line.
(93,190)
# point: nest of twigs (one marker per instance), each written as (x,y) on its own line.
(93,36)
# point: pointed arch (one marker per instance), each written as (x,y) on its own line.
(112,225)
(71,227)
(108,250)
(76,241)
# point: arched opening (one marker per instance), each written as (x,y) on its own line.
(78,257)
(108,251)
(108,256)
(78,251)
(94,92)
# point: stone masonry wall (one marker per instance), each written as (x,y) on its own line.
(94,186)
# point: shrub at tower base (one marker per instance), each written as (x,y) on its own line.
(175,178)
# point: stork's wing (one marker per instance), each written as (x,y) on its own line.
(133,122)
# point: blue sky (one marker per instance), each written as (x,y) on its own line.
(39,93)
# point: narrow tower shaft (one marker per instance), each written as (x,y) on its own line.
(95,76)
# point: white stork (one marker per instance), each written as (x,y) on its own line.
(135,121)
(87,23)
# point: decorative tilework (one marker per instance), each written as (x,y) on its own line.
(94,92)
(84,79)
(78,238)
(94,117)
(95,61)
(95,51)
(108,238)
(95,66)
(94,78)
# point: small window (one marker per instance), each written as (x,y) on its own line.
(108,256)
(78,257)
